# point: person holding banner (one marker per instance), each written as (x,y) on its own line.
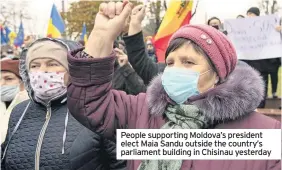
(201,87)
(265,66)
(240,16)
(216,23)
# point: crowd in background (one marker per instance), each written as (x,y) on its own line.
(40,130)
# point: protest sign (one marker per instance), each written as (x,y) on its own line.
(199,144)
(255,38)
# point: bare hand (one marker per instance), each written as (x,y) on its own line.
(278,28)
(111,18)
(137,16)
(109,24)
(122,57)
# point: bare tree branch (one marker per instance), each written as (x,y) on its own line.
(273,6)
(269,6)
(10,17)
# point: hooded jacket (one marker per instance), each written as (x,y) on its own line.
(45,136)
(229,105)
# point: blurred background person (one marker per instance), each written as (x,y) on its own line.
(240,16)
(217,24)
(265,66)
(151,51)
(10,53)
(12,92)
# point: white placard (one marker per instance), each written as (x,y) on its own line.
(200,144)
(256,37)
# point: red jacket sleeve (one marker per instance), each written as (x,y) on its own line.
(91,99)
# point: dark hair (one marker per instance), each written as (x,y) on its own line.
(254,10)
(179,42)
(242,16)
(212,18)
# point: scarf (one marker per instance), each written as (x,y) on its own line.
(179,117)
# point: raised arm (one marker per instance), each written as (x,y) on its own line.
(90,97)
(136,50)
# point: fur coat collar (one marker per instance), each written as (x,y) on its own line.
(239,95)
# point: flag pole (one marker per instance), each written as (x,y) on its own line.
(63,11)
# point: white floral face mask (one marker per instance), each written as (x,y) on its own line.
(47,85)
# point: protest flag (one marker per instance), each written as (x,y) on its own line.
(10,35)
(56,25)
(20,37)
(84,35)
(3,36)
(178,14)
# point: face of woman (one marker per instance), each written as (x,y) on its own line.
(9,79)
(186,57)
(48,65)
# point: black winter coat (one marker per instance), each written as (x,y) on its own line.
(81,149)
(127,80)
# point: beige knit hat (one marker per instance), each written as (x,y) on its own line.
(47,49)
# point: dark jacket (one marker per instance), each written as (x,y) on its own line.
(125,78)
(48,137)
(138,57)
(230,104)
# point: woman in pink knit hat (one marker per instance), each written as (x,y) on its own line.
(200,88)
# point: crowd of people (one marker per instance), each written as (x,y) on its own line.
(62,101)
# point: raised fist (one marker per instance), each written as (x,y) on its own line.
(138,14)
(111,18)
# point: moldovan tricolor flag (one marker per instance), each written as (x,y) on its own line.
(56,24)
(178,14)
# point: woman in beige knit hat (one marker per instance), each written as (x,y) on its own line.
(42,134)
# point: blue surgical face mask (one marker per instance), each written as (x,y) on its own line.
(180,84)
(8,92)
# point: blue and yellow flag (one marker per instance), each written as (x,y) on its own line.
(56,24)
(10,35)
(20,37)
(84,35)
(3,36)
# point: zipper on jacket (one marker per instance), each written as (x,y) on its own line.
(41,137)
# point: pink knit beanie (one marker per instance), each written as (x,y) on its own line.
(216,45)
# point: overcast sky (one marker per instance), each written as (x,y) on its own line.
(39,11)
